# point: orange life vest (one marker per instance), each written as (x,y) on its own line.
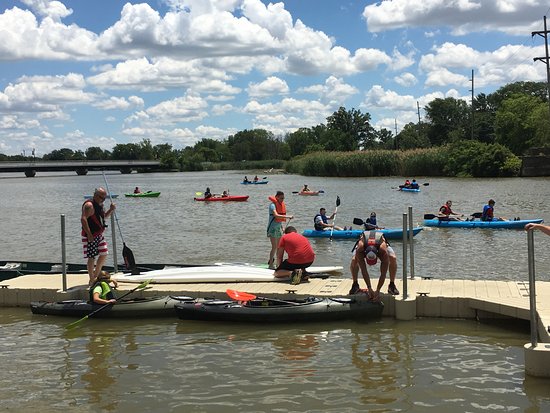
(280,207)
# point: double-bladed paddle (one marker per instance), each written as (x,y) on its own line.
(103,307)
(242,296)
(432,216)
(127,253)
(335,211)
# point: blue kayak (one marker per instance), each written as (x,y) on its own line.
(254,182)
(389,233)
(436,222)
(410,189)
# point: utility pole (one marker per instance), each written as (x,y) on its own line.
(473,111)
(396,146)
(418,111)
(545,59)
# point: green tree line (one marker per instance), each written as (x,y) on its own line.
(484,138)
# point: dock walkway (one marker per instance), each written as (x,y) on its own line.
(434,298)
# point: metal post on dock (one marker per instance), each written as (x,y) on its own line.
(113,236)
(532,293)
(405,247)
(411,243)
(63,254)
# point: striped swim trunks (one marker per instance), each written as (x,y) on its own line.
(94,248)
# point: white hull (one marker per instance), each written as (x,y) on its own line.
(211,274)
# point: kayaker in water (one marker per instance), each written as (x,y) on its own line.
(137,190)
(305,189)
(225,194)
(256,179)
(101,292)
(445,212)
(300,255)
(207,193)
(277,215)
(93,225)
(414,184)
(246,179)
(370,222)
(373,246)
(320,221)
(488,212)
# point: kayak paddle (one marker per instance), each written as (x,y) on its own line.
(127,253)
(335,211)
(242,296)
(77,322)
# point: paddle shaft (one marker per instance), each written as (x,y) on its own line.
(114,212)
(335,212)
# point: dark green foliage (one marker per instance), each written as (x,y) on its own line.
(477,159)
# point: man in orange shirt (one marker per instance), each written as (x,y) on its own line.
(300,255)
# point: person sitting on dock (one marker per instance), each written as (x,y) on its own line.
(137,190)
(207,193)
(373,246)
(445,212)
(300,256)
(93,225)
(320,221)
(101,292)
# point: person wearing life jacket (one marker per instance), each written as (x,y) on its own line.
(414,184)
(488,213)
(93,225)
(207,193)
(370,223)
(277,215)
(371,247)
(445,212)
(320,221)
(137,190)
(101,292)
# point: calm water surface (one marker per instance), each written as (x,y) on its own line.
(174,366)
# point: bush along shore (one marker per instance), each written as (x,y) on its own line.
(459,159)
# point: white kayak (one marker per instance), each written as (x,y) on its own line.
(212,274)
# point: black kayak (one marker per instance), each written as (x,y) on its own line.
(137,307)
(265,310)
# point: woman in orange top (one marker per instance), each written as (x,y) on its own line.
(277,215)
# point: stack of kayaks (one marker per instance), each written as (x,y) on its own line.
(476,223)
(389,233)
(268,310)
(228,198)
(148,194)
(224,273)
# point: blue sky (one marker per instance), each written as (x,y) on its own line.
(80,73)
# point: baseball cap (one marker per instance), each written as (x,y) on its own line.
(371,257)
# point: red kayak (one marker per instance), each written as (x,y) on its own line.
(234,198)
(309,193)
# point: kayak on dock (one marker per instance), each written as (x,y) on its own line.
(476,223)
(389,233)
(271,310)
(136,307)
(228,198)
(148,194)
(222,273)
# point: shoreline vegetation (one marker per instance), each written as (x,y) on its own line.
(459,159)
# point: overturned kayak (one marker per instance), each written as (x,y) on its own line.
(137,307)
(443,223)
(148,194)
(234,198)
(269,310)
(211,274)
(389,233)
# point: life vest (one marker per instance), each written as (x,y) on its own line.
(373,239)
(445,210)
(96,222)
(316,224)
(280,207)
(488,212)
(106,292)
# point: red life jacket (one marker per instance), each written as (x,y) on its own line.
(97,221)
(280,207)
(445,210)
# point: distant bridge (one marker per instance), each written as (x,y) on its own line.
(81,167)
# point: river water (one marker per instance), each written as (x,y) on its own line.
(173,366)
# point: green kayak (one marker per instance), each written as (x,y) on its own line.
(148,194)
